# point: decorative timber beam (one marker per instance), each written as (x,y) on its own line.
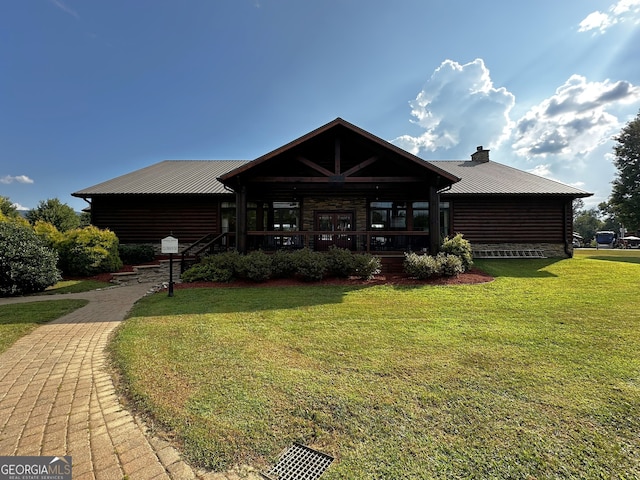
(332,178)
(360,166)
(314,166)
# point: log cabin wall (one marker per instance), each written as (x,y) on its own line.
(149,218)
(512,220)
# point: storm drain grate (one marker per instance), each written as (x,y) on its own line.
(299,463)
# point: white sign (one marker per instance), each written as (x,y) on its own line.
(169,245)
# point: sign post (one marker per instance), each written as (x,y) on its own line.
(170,245)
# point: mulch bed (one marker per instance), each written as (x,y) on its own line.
(473,276)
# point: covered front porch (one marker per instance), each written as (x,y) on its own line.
(337,186)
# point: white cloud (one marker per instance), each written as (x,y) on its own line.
(18,178)
(459,104)
(575,120)
(20,208)
(618,12)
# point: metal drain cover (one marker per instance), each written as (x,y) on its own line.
(299,463)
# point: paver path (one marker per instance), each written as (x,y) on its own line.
(58,398)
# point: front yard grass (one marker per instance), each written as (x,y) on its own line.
(19,319)
(534,375)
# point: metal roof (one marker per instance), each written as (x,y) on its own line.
(492,178)
(170,177)
(199,177)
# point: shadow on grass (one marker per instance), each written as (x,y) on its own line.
(518,268)
(234,299)
(616,259)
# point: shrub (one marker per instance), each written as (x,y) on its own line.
(449,265)
(255,266)
(340,262)
(48,233)
(136,254)
(283,264)
(26,264)
(88,251)
(460,247)
(206,272)
(420,266)
(222,267)
(310,266)
(366,266)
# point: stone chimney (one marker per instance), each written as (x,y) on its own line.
(480,155)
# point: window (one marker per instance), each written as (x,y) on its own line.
(286,216)
(420,216)
(228,217)
(445,215)
(228,210)
(388,216)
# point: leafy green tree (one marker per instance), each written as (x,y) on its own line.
(587,223)
(7,208)
(625,196)
(58,214)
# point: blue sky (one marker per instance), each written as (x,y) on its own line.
(90,90)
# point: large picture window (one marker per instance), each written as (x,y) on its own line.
(388,216)
(286,216)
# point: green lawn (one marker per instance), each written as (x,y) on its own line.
(534,375)
(19,319)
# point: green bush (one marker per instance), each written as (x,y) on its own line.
(136,254)
(48,233)
(283,264)
(420,266)
(26,264)
(449,265)
(206,272)
(310,266)
(365,266)
(461,248)
(222,267)
(256,266)
(88,251)
(340,262)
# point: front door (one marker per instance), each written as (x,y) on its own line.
(332,224)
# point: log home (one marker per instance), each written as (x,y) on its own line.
(338,185)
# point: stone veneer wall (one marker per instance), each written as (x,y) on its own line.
(347,204)
(551,250)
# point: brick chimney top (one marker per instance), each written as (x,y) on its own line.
(480,155)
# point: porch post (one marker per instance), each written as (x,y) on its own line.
(434,220)
(241,219)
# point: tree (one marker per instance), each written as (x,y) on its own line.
(58,214)
(7,208)
(587,224)
(625,196)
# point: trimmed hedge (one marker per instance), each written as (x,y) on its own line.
(136,254)
(305,264)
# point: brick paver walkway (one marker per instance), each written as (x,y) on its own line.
(58,398)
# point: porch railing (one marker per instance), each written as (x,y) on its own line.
(374,241)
